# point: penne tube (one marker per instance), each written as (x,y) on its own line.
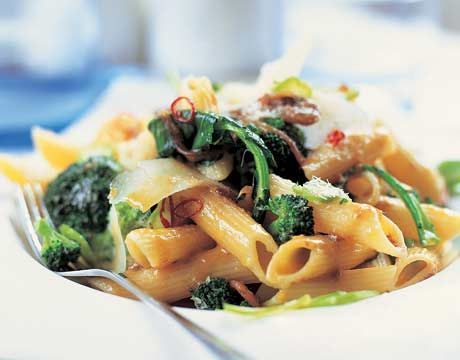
(307,257)
(313,287)
(447,253)
(418,265)
(350,254)
(377,278)
(403,166)
(160,247)
(351,221)
(446,222)
(360,223)
(233,229)
(302,258)
(328,162)
(380,278)
(364,187)
(174,282)
(280,186)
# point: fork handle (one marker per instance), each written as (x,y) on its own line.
(216,346)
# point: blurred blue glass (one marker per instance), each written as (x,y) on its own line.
(48,65)
(27,101)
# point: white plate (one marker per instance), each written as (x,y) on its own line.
(47,317)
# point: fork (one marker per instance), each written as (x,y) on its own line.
(31,208)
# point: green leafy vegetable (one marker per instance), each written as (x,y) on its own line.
(425,229)
(294,217)
(450,170)
(205,130)
(163,139)
(262,158)
(212,130)
(319,191)
(332,299)
(293,86)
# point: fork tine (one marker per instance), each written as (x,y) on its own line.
(40,203)
(31,200)
(26,220)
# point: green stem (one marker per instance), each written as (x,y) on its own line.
(425,229)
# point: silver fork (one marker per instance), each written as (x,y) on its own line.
(31,208)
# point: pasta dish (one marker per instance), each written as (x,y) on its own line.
(254,199)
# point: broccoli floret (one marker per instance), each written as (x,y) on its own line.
(130,218)
(294,217)
(286,164)
(293,131)
(78,196)
(213,293)
(57,250)
(278,147)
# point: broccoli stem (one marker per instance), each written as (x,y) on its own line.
(425,229)
(85,249)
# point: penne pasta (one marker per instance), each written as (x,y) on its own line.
(350,254)
(160,247)
(403,165)
(200,91)
(364,187)
(174,282)
(233,229)
(361,223)
(313,287)
(302,258)
(376,278)
(380,278)
(418,265)
(445,221)
(307,257)
(329,162)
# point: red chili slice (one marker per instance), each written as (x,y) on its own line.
(187,208)
(335,137)
(178,113)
